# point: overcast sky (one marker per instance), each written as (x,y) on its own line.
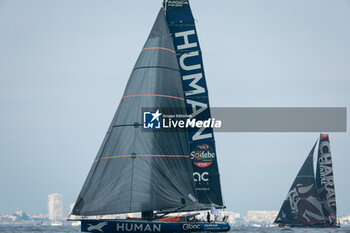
(64,66)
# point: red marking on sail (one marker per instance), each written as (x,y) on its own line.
(202,164)
(159,48)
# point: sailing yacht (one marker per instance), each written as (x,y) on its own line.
(143,168)
(310,201)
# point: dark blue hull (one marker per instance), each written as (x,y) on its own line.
(113,226)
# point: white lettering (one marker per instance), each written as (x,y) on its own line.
(207,123)
(217,124)
(188,226)
(156,227)
(181,124)
(202,155)
(326,170)
(148,228)
(190,123)
(138,227)
(198,135)
(194,104)
(199,124)
(185,35)
(186,55)
(120,226)
(193,84)
(325,159)
(205,176)
(130,228)
(200,177)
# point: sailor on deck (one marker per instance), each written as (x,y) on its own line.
(208,216)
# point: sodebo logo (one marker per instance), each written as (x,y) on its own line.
(202,155)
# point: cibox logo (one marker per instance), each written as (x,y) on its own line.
(151,120)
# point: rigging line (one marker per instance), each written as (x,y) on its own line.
(132,181)
(168,96)
(160,48)
(162,67)
(156,156)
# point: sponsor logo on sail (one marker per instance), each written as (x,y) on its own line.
(303,205)
(326,171)
(203,155)
(177,3)
(199,177)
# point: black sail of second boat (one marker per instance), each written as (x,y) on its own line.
(302,205)
(311,200)
(136,171)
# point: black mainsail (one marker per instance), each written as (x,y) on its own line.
(325,180)
(302,205)
(136,171)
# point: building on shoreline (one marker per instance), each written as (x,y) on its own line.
(55,207)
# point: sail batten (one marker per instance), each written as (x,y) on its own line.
(134,156)
(157,95)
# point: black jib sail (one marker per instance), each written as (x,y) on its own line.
(302,205)
(137,171)
(201,140)
(325,180)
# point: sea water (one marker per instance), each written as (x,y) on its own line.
(71,229)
